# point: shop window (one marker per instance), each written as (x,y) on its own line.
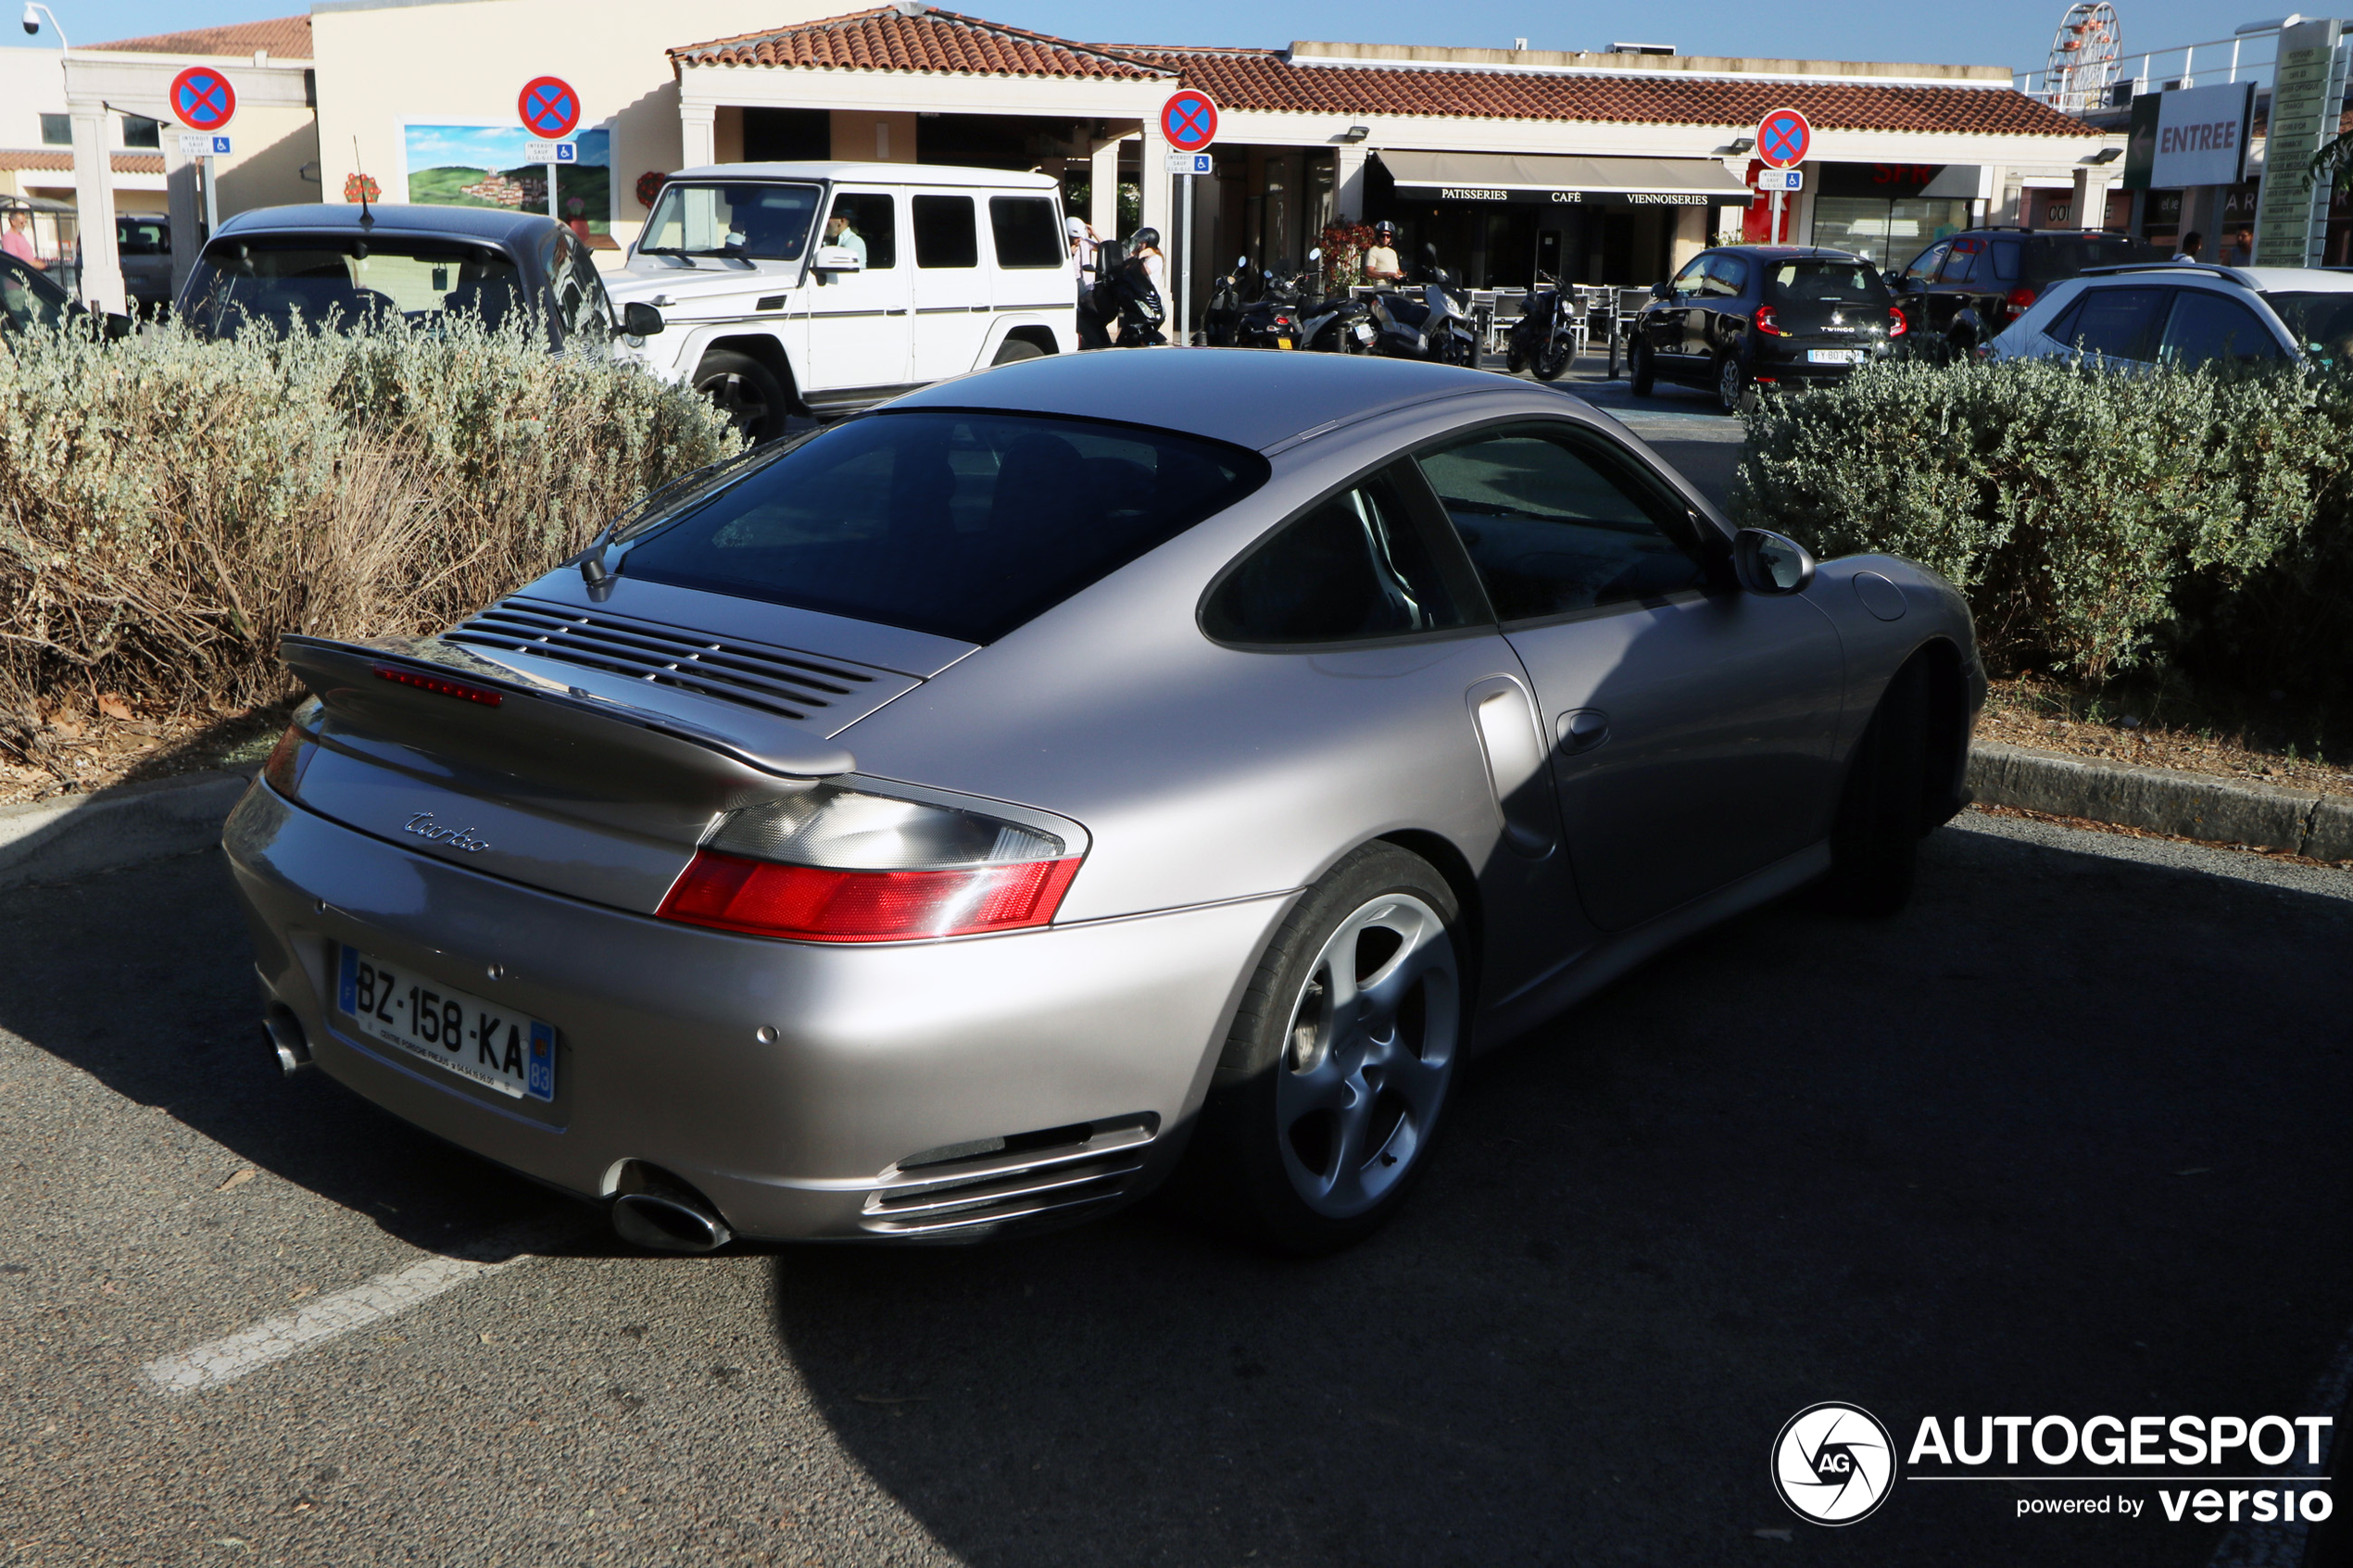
(944,233)
(140,132)
(56,131)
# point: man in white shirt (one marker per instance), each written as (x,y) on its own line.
(1382,266)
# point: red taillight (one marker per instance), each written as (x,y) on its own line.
(283,771)
(2016,303)
(817,903)
(482,695)
(1896,325)
(1768,323)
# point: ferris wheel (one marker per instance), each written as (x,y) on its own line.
(2084,54)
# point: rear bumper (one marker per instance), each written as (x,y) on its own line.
(1106,1030)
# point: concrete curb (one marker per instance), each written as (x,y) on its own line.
(2302,822)
(57,840)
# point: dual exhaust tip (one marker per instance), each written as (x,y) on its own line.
(657,1212)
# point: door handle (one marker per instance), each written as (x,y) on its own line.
(1581,729)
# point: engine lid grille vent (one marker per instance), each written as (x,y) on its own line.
(950,1192)
(789,684)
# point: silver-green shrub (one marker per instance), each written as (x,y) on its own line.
(169,506)
(2074,504)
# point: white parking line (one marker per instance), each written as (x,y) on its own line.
(329,1317)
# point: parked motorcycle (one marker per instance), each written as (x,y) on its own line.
(1544,338)
(1430,320)
(1272,320)
(1332,326)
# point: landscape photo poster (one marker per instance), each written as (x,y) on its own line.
(485,166)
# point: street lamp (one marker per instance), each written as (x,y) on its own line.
(32,15)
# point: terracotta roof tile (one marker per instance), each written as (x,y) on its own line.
(60,160)
(891,38)
(286,38)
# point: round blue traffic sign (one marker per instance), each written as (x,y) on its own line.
(1783,139)
(549,106)
(1188,119)
(202,99)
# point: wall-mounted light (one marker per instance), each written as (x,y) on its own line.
(2106,155)
(1743,143)
(1356,133)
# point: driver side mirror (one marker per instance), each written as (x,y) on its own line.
(1892,279)
(1662,291)
(836,258)
(640,319)
(1770,565)
(1316,254)
(119,326)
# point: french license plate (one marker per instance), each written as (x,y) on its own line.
(1282,343)
(488,1042)
(1833,355)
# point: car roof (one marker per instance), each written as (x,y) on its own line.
(873,173)
(1786,253)
(1246,397)
(470,222)
(2264,280)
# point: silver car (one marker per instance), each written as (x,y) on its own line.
(1089,773)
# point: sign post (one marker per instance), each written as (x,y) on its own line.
(1188,119)
(1783,138)
(549,108)
(202,100)
(2291,223)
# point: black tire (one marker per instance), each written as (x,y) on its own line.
(1731,383)
(1015,349)
(1515,361)
(1267,1162)
(1881,815)
(747,392)
(1645,373)
(1553,358)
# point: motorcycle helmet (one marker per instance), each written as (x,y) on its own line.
(1146,239)
(1385,231)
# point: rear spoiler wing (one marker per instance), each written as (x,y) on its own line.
(441,697)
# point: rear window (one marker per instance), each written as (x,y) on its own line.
(963,525)
(275,281)
(1028,232)
(1827,282)
(2320,324)
(2067,255)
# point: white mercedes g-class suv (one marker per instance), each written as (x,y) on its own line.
(819,288)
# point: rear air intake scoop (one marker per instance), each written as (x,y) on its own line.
(444,699)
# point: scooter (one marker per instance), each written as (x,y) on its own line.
(1424,322)
(1544,338)
(1333,326)
(1272,320)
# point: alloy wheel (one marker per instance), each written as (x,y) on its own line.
(740,399)
(1369,1054)
(1731,382)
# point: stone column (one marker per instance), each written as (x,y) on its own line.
(101,280)
(697,134)
(1348,183)
(1102,205)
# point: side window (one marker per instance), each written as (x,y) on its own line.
(1691,279)
(1555,526)
(2205,327)
(1026,233)
(1923,267)
(1961,266)
(944,235)
(1726,276)
(2061,329)
(866,223)
(1354,565)
(2114,322)
(580,295)
(2007,262)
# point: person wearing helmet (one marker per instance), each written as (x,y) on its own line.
(1085,255)
(1143,292)
(1381,268)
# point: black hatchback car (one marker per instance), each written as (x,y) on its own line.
(330,263)
(1748,316)
(1967,288)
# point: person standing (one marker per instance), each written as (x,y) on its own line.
(18,240)
(1143,292)
(1382,268)
(1085,259)
(2192,243)
(2240,252)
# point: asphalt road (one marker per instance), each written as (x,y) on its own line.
(2069,1135)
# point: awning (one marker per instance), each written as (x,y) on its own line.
(1602,181)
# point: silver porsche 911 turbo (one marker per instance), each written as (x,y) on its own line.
(1089,773)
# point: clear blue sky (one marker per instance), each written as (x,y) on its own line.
(2010,32)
